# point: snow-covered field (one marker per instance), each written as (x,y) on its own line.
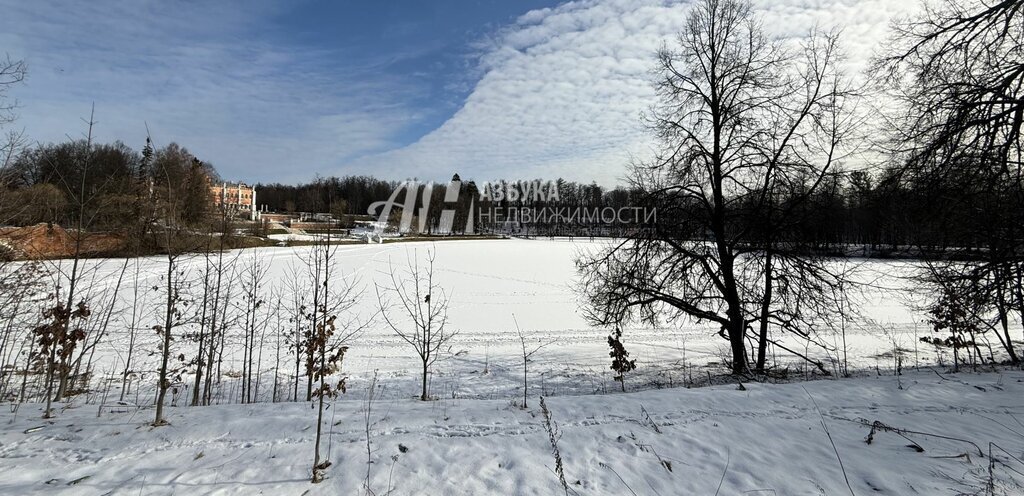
(766,439)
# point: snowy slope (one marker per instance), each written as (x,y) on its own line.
(766,439)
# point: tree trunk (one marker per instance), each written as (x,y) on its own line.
(524,380)
(423,395)
(762,340)
(736,328)
(202,335)
(298,359)
(318,475)
(739,351)
(1005,323)
(210,354)
(131,335)
(49,382)
(317,471)
(168,319)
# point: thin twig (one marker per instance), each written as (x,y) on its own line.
(830,440)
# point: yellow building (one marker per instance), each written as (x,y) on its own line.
(239,197)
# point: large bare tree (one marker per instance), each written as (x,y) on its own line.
(748,128)
(955,74)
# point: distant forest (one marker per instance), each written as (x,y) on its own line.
(883,209)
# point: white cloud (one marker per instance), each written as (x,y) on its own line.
(563,88)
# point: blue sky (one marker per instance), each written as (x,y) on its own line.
(282,91)
(429,46)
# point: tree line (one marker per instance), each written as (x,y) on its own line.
(899,209)
(93,187)
(864,211)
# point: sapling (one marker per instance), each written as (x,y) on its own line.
(253,278)
(326,343)
(99,333)
(329,360)
(424,302)
(131,332)
(57,342)
(175,169)
(371,396)
(526,357)
(173,316)
(620,358)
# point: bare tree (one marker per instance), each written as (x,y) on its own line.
(14,142)
(12,206)
(11,72)
(528,351)
(20,288)
(108,303)
(214,269)
(422,301)
(955,75)
(222,320)
(280,338)
(743,121)
(18,281)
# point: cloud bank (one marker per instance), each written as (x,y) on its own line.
(563,88)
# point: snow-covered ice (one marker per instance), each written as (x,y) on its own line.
(489,281)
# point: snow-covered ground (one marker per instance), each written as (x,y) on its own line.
(765,439)
(664,439)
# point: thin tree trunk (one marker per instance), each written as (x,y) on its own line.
(168,321)
(202,334)
(317,475)
(762,340)
(131,332)
(423,395)
(1005,323)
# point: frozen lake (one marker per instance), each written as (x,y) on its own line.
(488,282)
